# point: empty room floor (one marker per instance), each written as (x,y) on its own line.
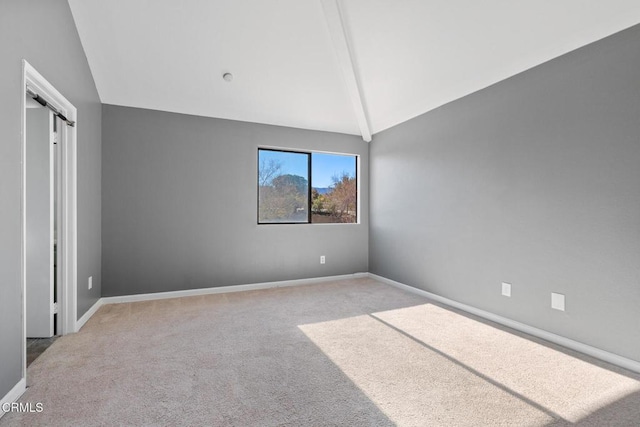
(351,352)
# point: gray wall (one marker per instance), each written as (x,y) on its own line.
(179,206)
(533,181)
(43,33)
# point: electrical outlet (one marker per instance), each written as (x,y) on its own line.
(322,259)
(90,282)
(506,289)
(557,301)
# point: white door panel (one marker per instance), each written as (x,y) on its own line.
(39,223)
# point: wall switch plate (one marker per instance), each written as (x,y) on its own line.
(322,259)
(557,301)
(506,289)
(90,282)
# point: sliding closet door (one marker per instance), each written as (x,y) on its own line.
(39,222)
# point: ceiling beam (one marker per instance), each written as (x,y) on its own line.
(336,26)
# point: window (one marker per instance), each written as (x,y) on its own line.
(301,188)
(283,186)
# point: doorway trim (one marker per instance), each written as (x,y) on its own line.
(67,236)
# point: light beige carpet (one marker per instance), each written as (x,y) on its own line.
(348,353)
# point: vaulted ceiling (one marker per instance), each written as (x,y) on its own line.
(349,66)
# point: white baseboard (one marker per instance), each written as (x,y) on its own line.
(85,317)
(13,395)
(207,291)
(606,356)
(227,289)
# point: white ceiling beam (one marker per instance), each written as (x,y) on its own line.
(336,26)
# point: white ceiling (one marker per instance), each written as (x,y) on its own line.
(407,56)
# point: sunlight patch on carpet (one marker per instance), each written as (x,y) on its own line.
(566,385)
(427,364)
(413,385)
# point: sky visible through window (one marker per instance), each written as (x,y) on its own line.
(291,163)
(325,166)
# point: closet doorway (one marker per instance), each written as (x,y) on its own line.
(49,215)
(41,168)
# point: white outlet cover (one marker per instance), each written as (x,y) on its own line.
(322,259)
(506,289)
(557,301)
(90,282)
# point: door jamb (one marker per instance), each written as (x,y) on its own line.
(68,221)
